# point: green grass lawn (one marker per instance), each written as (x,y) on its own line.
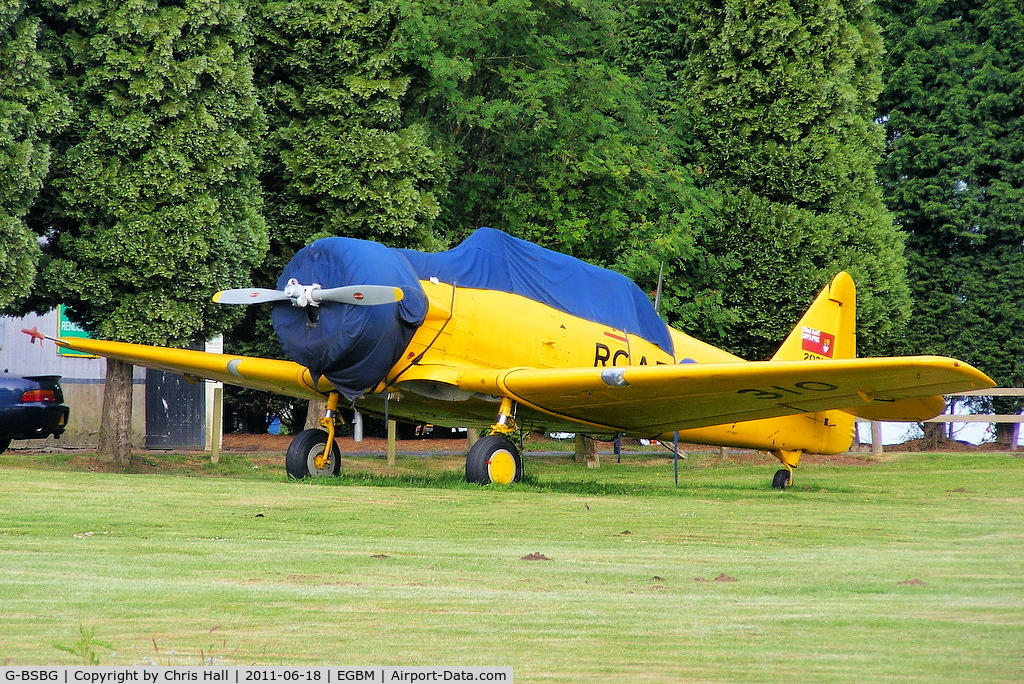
(910,567)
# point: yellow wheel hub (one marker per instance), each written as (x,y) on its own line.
(323,460)
(501,467)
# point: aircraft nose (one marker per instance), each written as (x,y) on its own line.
(351,344)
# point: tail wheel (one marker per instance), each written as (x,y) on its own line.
(782,479)
(496,459)
(789,458)
(308,456)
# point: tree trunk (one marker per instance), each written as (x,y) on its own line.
(1005,434)
(317,410)
(586,451)
(934,436)
(116,418)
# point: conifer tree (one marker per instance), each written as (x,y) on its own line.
(340,156)
(954,176)
(549,139)
(783,93)
(30,111)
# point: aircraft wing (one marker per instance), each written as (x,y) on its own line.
(659,399)
(635,399)
(271,375)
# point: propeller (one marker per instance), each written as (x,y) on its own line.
(311,295)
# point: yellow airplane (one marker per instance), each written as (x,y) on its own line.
(501,333)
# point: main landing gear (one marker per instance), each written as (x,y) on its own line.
(495,458)
(308,454)
(789,458)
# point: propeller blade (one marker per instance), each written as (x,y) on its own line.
(249,295)
(363,295)
(303,295)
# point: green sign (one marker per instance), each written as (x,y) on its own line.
(67,328)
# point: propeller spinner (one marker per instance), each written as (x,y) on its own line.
(311,295)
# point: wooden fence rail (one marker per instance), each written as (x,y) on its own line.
(876,427)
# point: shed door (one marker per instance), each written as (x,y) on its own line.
(175,412)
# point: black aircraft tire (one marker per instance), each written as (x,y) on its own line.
(494,458)
(302,451)
(781,479)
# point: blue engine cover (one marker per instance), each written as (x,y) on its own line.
(352,346)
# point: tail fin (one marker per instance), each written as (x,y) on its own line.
(828,329)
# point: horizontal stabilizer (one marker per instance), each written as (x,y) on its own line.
(912,410)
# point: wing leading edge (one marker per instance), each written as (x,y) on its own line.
(271,375)
(659,399)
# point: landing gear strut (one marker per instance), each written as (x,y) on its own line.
(495,458)
(789,458)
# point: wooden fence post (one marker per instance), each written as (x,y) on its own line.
(217,428)
(392,435)
(876,438)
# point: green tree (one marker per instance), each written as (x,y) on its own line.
(339,157)
(782,93)
(549,138)
(953,174)
(654,45)
(30,111)
(154,203)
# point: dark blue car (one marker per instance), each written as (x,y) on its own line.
(31,407)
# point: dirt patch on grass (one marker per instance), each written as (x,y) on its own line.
(946,446)
(536,556)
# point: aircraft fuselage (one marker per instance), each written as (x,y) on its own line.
(467,327)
